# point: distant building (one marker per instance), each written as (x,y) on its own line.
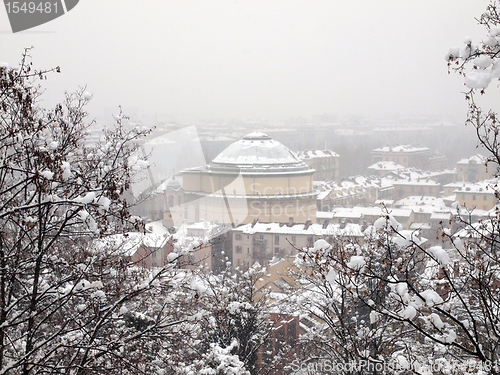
(405,155)
(474,169)
(324,162)
(381,168)
(364,216)
(479,195)
(256,178)
(148,250)
(449,189)
(352,191)
(261,242)
(407,187)
(437,162)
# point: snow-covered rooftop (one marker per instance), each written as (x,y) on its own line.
(483,187)
(422,182)
(386,166)
(313,229)
(257,152)
(359,212)
(311,154)
(127,244)
(474,159)
(419,200)
(401,148)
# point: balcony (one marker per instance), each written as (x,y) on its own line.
(259,241)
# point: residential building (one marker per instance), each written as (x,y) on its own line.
(148,250)
(351,191)
(405,155)
(381,168)
(437,162)
(474,169)
(407,187)
(364,216)
(261,242)
(324,162)
(480,195)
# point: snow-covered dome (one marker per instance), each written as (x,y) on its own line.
(257,153)
(173,184)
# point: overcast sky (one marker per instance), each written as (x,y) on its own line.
(268,59)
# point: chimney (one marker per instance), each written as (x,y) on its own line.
(325,223)
(290,221)
(307,224)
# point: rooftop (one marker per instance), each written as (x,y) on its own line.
(402,148)
(474,159)
(311,154)
(257,153)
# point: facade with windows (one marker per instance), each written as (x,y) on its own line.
(474,169)
(408,187)
(405,155)
(324,162)
(479,195)
(261,242)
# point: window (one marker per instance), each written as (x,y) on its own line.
(310,241)
(485,197)
(237,237)
(473,197)
(238,249)
(153,254)
(276,250)
(248,250)
(276,239)
(294,240)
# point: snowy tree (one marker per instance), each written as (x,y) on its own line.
(70,304)
(227,325)
(479,63)
(425,308)
(341,330)
(432,309)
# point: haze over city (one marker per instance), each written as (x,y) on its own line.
(197,60)
(297,187)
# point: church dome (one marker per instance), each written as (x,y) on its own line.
(173,184)
(257,153)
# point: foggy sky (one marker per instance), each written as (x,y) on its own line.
(254,59)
